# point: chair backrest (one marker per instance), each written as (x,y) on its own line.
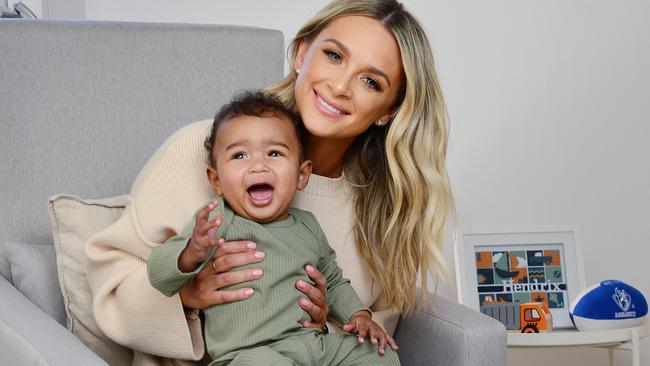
(84,104)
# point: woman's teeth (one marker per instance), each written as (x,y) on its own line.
(327,106)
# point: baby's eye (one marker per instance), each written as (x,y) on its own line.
(275,154)
(333,55)
(238,156)
(371,83)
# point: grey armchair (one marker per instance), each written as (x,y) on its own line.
(82,107)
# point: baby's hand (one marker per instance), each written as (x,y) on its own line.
(202,239)
(361,324)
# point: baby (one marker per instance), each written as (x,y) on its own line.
(256,165)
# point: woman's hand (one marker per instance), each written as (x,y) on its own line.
(316,303)
(205,290)
(363,326)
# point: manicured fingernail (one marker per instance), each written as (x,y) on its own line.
(259,255)
(304,301)
(361,340)
(251,245)
(309,268)
(301,283)
(256,272)
(248,291)
(218,221)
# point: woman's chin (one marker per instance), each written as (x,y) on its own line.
(318,126)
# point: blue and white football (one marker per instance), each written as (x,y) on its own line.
(610,304)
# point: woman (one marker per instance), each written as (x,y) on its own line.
(364,84)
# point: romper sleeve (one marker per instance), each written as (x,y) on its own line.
(343,301)
(162,266)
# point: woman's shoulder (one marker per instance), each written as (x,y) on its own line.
(172,184)
(179,145)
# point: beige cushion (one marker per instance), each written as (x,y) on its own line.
(74,220)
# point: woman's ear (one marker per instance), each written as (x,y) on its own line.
(390,114)
(305,172)
(300,55)
(213,178)
(387,118)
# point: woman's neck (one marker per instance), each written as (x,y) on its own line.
(327,156)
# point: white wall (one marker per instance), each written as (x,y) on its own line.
(52,9)
(549,112)
(36,6)
(285,15)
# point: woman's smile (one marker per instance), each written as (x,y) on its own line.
(328,108)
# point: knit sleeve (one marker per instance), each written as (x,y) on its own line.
(125,306)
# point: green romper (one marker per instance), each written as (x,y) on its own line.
(266,328)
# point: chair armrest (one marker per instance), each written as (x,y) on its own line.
(447,333)
(28,336)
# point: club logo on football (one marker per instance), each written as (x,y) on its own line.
(624,302)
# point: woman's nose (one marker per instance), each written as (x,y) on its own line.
(340,83)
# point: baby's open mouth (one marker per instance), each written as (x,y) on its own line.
(260,194)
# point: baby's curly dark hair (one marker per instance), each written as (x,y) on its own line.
(256,104)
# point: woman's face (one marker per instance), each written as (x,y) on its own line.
(349,78)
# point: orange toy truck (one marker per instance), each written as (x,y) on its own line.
(530,317)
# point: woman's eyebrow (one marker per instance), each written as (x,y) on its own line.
(346,50)
(375,70)
(339,44)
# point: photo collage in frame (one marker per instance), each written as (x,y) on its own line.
(510,273)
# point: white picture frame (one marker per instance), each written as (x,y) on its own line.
(525,264)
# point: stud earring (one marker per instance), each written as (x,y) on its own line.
(379,123)
(297,70)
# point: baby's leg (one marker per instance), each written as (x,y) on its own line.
(303,349)
(261,356)
(345,350)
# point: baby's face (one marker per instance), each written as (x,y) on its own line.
(258,168)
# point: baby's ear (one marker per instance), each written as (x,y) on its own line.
(305,172)
(213,178)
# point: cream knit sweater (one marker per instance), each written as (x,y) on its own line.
(168,190)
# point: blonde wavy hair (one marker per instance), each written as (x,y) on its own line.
(402,195)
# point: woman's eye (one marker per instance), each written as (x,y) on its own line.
(372,83)
(333,55)
(238,156)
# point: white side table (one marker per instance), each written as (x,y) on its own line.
(625,339)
